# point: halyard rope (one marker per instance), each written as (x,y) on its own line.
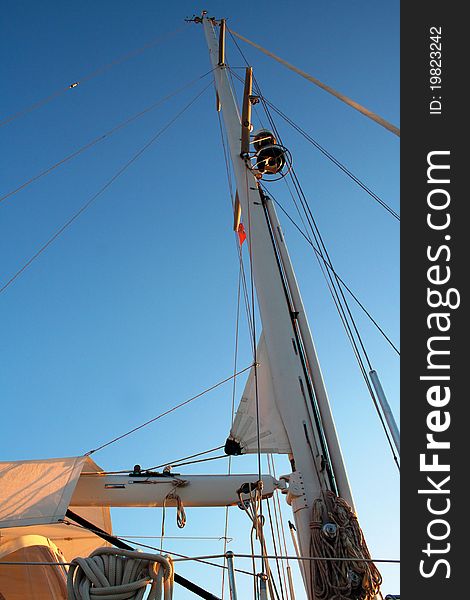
(170,410)
(340,579)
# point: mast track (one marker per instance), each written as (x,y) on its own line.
(311,400)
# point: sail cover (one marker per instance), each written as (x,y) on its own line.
(34,497)
(273,437)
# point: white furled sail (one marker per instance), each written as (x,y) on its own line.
(34,498)
(273,436)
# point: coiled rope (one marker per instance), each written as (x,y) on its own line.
(252,507)
(112,574)
(344,579)
(180,512)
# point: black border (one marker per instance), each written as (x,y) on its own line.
(421,133)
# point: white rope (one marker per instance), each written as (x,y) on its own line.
(112,574)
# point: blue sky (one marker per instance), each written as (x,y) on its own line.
(132,309)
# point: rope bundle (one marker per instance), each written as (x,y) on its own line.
(252,507)
(341,580)
(112,574)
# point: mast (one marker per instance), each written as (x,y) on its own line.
(300,395)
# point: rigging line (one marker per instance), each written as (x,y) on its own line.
(319,241)
(152,537)
(312,406)
(353,177)
(250,317)
(255,371)
(192,462)
(343,283)
(238,246)
(305,366)
(234,74)
(100,138)
(236,555)
(95,196)
(167,412)
(299,558)
(152,468)
(252,285)
(91,75)
(340,308)
(312,394)
(279,511)
(235,358)
(246,298)
(323,246)
(178,461)
(333,288)
(278,567)
(344,319)
(242,276)
(245,291)
(121,545)
(232,412)
(366,112)
(232,86)
(131,54)
(183,557)
(335,161)
(36,564)
(241,280)
(227,168)
(257,87)
(337,302)
(325,152)
(67,564)
(277,520)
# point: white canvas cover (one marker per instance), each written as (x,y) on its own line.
(34,497)
(273,436)
(38,582)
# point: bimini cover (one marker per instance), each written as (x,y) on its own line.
(273,436)
(34,497)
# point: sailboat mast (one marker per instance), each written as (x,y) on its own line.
(300,396)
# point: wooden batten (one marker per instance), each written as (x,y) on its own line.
(237,213)
(222,43)
(246,112)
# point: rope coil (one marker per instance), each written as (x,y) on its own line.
(109,573)
(347,579)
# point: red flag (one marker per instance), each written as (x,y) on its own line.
(241,233)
